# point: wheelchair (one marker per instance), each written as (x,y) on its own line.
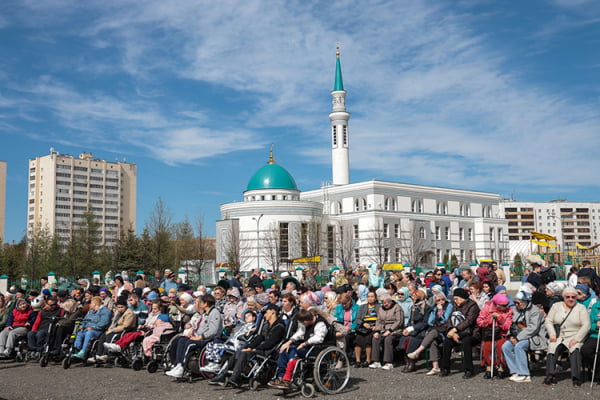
(195,360)
(161,353)
(324,367)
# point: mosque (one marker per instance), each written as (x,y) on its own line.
(347,224)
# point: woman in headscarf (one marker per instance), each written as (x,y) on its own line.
(405,302)
(584,296)
(526,333)
(416,329)
(438,317)
(495,320)
(390,320)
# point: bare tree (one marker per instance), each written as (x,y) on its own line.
(345,244)
(234,249)
(271,246)
(378,239)
(416,247)
(312,240)
(159,226)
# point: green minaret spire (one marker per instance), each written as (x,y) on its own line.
(339,84)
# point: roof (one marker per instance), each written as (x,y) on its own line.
(271,176)
(339,84)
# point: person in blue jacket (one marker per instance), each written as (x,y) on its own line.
(99,318)
(345,313)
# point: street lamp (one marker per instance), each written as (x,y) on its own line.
(257,239)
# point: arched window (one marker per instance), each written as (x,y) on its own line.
(417,206)
(422,233)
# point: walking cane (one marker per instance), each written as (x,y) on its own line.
(595,361)
(493,344)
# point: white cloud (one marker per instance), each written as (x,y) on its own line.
(431,99)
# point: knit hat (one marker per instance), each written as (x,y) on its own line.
(187,297)
(555,287)
(122,301)
(103,290)
(438,288)
(152,296)
(461,292)
(500,299)
(500,288)
(163,317)
(523,296)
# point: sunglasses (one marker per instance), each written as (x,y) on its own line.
(440,300)
(570,297)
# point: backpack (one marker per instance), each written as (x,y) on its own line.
(548,274)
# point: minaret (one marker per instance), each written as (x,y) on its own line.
(339,128)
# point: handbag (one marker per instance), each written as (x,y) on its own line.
(362,331)
(557,326)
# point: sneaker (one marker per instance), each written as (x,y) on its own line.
(513,376)
(176,372)
(217,380)
(112,347)
(275,382)
(388,367)
(375,365)
(413,356)
(520,378)
(91,360)
(103,358)
(434,371)
(284,384)
(211,367)
(79,354)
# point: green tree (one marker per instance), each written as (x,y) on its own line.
(127,251)
(38,248)
(12,258)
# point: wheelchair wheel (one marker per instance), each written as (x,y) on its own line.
(66,363)
(202,361)
(152,366)
(331,370)
(44,360)
(137,364)
(307,390)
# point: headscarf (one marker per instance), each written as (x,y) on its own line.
(583,288)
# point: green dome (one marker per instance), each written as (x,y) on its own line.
(272,176)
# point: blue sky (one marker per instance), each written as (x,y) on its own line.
(485,95)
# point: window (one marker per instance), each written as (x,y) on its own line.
(386,254)
(417,206)
(330,244)
(356,256)
(447,233)
(461,233)
(422,233)
(355,227)
(345,128)
(470,232)
(397,231)
(386,231)
(398,255)
(334,132)
(442,208)
(437,233)
(438,255)
(360,204)
(500,235)
(491,235)
(390,204)
(462,256)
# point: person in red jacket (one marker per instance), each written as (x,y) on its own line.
(19,322)
(37,336)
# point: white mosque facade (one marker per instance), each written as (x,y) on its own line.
(353,224)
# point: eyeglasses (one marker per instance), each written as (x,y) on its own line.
(438,274)
(570,297)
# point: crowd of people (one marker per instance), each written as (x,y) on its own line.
(380,319)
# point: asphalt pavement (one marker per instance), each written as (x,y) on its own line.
(30,381)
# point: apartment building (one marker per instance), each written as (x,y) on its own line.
(63,187)
(570,222)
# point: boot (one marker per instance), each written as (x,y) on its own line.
(409,365)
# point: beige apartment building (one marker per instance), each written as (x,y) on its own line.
(2,199)
(62,187)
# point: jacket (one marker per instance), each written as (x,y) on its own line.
(339,314)
(362,313)
(210,326)
(469,310)
(44,318)
(19,318)
(575,326)
(391,320)
(534,329)
(504,320)
(98,320)
(270,337)
(123,322)
(419,315)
